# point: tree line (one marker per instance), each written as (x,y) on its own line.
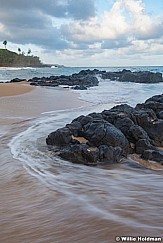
(19,50)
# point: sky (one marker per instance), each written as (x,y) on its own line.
(92,33)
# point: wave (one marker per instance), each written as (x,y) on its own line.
(15,68)
(112,93)
(54,67)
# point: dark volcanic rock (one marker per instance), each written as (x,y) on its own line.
(124,125)
(137,77)
(113,134)
(155,103)
(88,78)
(153,155)
(60,137)
(142,145)
(80,154)
(109,154)
(80,87)
(155,132)
(16,80)
(141,77)
(157,98)
(81,80)
(103,133)
(138,133)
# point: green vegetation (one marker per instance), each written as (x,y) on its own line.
(12,59)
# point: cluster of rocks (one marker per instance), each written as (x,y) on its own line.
(81,80)
(137,77)
(113,134)
(88,78)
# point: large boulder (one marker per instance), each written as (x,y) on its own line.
(60,137)
(104,133)
(124,125)
(75,128)
(136,133)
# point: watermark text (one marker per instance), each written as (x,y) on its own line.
(138,239)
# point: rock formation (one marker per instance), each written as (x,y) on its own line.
(113,134)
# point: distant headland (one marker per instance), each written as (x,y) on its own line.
(12,59)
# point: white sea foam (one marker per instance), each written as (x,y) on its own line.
(54,67)
(113,92)
(15,68)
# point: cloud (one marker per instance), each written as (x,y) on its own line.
(110,26)
(143,26)
(81,9)
(33,22)
(126,19)
(115,44)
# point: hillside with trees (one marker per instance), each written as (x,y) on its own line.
(12,59)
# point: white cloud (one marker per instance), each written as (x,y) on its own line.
(126,18)
(142,25)
(123,35)
(109,26)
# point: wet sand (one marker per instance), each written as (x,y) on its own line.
(31,212)
(36,100)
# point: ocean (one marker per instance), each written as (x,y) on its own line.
(76,203)
(108,92)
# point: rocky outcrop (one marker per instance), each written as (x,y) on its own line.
(137,77)
(17,80)
(81,80)
(88,78)
(112,134)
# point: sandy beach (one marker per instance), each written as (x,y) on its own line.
(12,89)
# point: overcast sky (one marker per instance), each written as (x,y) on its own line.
(85,32)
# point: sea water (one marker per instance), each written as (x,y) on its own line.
(107,92)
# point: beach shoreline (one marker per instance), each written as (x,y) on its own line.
(22,100)
(23,196)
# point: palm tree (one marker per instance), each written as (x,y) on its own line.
(5,43)
(19,50)
(29,51)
